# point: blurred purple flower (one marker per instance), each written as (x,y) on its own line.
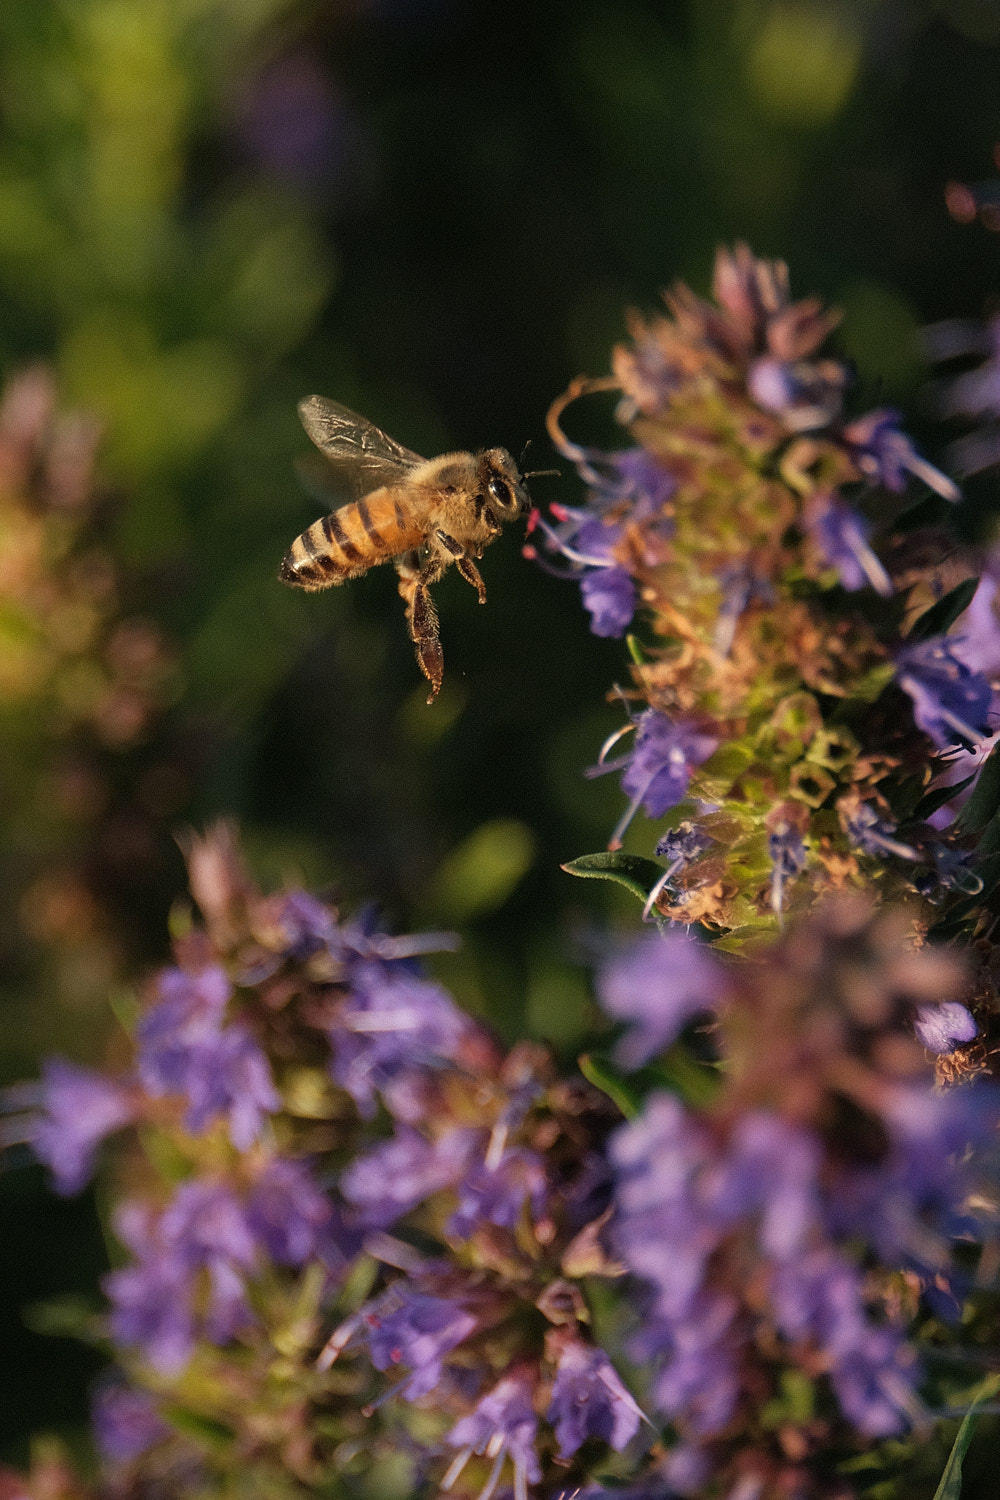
(951,704)
(806,394)
(230,1076)
(286,1212)
(944,1027)
(497,1194)
(190,1012)
(976,641)
(609,597)
(126,1421)
(886,456)
(392,1023)
(388,1181)
(411,1328)
(151,1311)
(841,537)
(819,1298)
(78,1108)
(294,123)
(589,1400)
(698,1360)
(658,985)
(502,1425)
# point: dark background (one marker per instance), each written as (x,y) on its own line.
(436,212)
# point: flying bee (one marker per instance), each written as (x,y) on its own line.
(422,514)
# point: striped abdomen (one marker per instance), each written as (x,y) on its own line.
(352,539)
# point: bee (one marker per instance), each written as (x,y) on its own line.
(422,514)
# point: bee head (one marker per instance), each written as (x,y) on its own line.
(503,490)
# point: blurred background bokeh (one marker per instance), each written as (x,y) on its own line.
(435,211)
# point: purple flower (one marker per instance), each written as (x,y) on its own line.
(407,1327)
(818,1298)
(886,456)
(184,1048)
(787,854)
(78,1109)
(658,985)
(151,1310)
(503,1425)
(205,1222)
(294,124)
(944,1027)
(230,1076)
(286,1212)
(840,535)
(951,704)
(497,1194)
(699,1359)
(658,767)
(589,1400)
(391,1179)
(875,835)
(126,1422)
(804,393)
(189,1013)
(630,487)
(392,1024)
(609,597)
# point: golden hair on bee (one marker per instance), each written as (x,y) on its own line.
(420,514)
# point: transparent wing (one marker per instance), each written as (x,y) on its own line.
(361,454)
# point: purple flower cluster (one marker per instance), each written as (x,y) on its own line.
(629,488)
(193,1259)
(695,1198)
(185,1047)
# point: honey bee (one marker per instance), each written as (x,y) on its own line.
(422,514)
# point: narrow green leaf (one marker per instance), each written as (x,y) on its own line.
(932,800)
(215,1435)
(950,1487)
(985,800)
(636,874)
(636,650)
(937,619)
(603,1074)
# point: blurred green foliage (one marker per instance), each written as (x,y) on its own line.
(435,211)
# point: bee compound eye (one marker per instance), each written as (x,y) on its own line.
(503,498)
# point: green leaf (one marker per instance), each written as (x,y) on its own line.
(602,1073)
(937,619)
(68,1317)
(950,1487)
(931,801)
(636,874)
(214,1434)
(636,650)
(985,800)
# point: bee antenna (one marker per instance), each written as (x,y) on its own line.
(542,474)
(524,454)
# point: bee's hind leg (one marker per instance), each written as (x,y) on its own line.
(422,618)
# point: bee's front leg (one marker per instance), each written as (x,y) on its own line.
(463,563)
(421,617)
(471,574)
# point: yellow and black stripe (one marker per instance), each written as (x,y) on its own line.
(349,541)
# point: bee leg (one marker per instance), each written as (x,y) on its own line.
(471,574)
(422,620)
(453,548)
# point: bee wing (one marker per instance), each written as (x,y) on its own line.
(363,455)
